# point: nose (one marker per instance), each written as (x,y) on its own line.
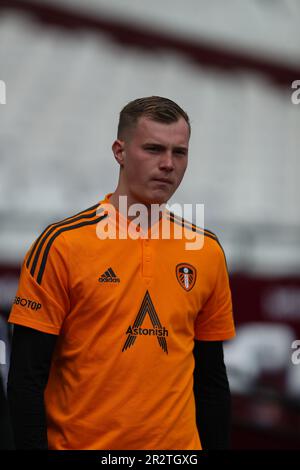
(166,161)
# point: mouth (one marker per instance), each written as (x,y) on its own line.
(163,180)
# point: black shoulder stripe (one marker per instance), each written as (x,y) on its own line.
(223,255)
(194,228)
(183,223)
(61,230)
(197,230)
(212,233)
(52,229)
(51,225)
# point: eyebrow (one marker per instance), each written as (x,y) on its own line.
(163,147)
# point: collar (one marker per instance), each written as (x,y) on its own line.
(119,222)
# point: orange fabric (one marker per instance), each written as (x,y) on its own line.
(126,316)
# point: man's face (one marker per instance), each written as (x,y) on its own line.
(155,157)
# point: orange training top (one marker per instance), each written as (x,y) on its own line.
(127,313)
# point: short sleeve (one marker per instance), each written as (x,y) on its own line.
(42,299)
(215,320)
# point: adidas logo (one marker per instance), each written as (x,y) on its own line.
(109,276)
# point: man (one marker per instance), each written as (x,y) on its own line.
(118,341)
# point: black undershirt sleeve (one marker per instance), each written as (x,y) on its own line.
(212,395)
(28,375)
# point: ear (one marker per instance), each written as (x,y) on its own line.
(118,148)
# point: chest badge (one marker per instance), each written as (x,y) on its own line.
(186,275)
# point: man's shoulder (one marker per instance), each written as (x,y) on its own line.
(210,246)
(60,233)
(190,226)
(85,217)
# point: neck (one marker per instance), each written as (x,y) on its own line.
(114,200)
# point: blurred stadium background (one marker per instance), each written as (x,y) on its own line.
(69,67)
